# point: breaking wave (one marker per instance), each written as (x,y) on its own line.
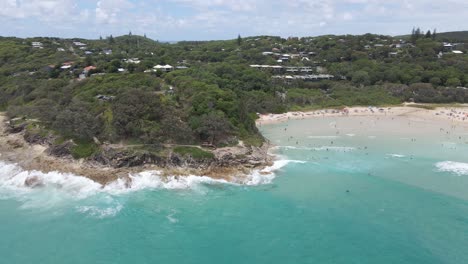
(266,175)
(35,189)
(458,168)
(323,148)
(323,137)
(397,155)
(96,211)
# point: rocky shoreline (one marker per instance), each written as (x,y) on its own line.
(35,152)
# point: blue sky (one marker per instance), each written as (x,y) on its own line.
(223,19)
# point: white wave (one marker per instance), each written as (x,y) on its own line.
(323,148)
(458,168)
(266,175)
(98,212)
(55,188)
(449,145)
(171,217)
(153,180)
(351,135)
(397,155)
(334,148)
(323,137)
(13,183)
(294,148)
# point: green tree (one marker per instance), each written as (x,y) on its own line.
(361,77)
(214,127)
(428,34)
(453,82)
(137,114)
(78,121)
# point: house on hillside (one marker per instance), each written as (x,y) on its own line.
(285,57)
(79,44)
(66,65)
(164,68)
(86,70)
(132,61)
(37,45)
(448,47)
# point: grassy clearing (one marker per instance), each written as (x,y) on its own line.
(84,149)
(194,152)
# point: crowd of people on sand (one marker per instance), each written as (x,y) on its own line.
(453,114)
(458,114)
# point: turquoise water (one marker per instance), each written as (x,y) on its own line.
(352,195)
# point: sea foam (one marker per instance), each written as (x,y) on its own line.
(266,175)
(397,155)
(458,168)
(54,188)
(323,137)
(322,148)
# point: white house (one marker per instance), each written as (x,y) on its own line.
(164,68)
(79,44)
(37,44)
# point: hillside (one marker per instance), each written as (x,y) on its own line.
(136,91)
(456,36)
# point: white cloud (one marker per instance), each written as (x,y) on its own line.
(45,10)
(107,11)
(179,19)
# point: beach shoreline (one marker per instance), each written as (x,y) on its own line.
(456,113)
(34,157)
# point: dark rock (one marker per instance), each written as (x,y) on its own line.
(14,129)
(15,143)
(61,150)
(33,182)
(33,137)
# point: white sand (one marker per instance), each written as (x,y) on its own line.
(458,114)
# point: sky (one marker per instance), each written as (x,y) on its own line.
(174,20)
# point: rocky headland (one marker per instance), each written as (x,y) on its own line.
(39,152)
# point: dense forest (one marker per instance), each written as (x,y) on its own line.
(135,90)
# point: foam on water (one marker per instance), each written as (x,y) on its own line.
(55,188)
(457,168)
(323,137)
(323,148)
(13,179)
(397,155)
(266,175)
(334,148)
(96,211)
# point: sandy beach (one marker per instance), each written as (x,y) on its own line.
(456,114)
(14,149)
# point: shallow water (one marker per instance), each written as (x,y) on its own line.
(357,191)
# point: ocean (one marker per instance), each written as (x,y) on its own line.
(344,190)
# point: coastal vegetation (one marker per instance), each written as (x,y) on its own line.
(137,91)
